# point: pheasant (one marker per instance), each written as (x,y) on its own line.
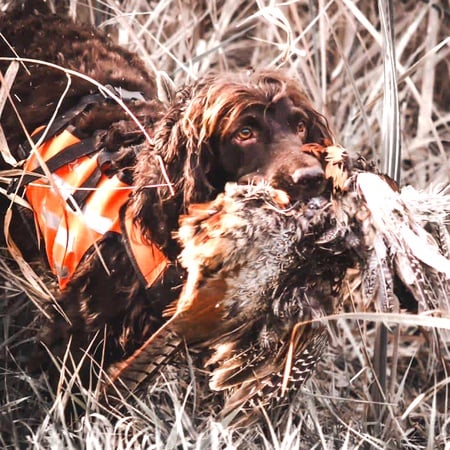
(258,284)
(263,273)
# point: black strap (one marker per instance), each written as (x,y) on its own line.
(62,121)
(80,196)
(69,154)
(83,148)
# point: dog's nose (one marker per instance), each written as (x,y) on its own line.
(303,183)
(309,178)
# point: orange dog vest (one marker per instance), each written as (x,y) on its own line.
(69,228)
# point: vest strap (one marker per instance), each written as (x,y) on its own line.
(148,260)
(67,155)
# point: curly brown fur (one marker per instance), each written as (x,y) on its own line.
(226,127)
(197,141)
(56,40)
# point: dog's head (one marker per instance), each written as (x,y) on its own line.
(250,127)
(243,127)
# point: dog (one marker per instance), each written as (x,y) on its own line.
(118,270)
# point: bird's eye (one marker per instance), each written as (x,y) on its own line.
(244,133)
(301,127)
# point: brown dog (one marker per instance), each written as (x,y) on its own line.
(118,268)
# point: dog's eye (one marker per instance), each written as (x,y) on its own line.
(244,133)
(301,127)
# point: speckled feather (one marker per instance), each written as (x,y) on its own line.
(255,282)
(262,272)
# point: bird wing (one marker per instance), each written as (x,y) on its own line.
(397,245)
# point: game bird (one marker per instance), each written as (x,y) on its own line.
(264,273)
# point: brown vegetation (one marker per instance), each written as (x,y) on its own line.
(336,50)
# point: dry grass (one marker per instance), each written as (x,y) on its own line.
(336,49)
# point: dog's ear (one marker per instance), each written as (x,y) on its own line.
(190,138)
(176,155)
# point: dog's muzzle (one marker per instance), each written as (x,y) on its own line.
(301,185)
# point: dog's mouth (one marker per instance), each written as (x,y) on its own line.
(302,185)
